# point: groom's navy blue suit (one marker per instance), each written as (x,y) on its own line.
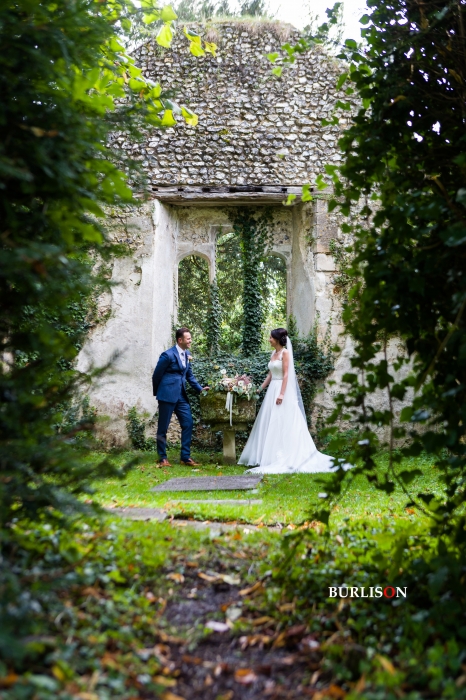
(169,385)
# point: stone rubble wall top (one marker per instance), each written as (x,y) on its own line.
(254,128)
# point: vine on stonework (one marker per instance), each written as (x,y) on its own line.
(343,279)
(213,321)
(254,231)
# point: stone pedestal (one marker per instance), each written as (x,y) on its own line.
(229,447)
(214,413)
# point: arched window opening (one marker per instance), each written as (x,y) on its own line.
(273,290)
(230,287)
(193,298)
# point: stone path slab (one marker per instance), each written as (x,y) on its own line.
(139,513)
(210,483)
(219,501)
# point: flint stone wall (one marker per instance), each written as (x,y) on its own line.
(254,128)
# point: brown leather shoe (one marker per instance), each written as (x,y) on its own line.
(190,463)
(164,463)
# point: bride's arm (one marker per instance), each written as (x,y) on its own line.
(266,382)
(286,362)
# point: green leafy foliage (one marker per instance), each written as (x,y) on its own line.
(405,164)
(214,321)
(137,432)
(193,298)
(373,641)
(254,231)
(67,84)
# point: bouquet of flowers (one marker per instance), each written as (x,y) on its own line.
(240,384)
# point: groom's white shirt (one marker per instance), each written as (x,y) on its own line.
(182,354)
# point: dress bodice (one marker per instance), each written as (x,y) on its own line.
(276,368)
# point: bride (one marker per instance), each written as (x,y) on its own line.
(280,441)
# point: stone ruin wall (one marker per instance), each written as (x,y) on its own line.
(255,133)
(254,129)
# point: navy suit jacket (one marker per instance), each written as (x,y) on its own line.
(169,378)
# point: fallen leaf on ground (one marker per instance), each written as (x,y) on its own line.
(168,695)
(245,676)
(7,681)
(253,639)
(360,685)
(216,578)
(295,631)
(233,614)
(336,692)
(166,682)
(217,626)
(262,620)
(386,664)
(179,578)
(252,589)
(286,607)
(188,659)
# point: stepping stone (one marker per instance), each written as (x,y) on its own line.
(220,502)
(210,483)
(138,513)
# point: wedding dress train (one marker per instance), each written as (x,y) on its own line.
(280,441)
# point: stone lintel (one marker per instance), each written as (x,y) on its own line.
(247,194)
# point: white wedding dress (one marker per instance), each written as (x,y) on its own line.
(280,442)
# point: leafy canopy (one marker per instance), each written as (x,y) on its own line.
(404,172)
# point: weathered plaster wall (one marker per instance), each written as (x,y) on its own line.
(141,304)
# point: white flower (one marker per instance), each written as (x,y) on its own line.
(240,383)
(223,371)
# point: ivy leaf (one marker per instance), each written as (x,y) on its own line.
(156,91)
(136,85)
(165,36)
(306,194)
(189,117)
(168,119)
(406,414)
(210,47)
(149,18)
(196,49)
(167,14)
(289,200)
(272,57)
(341,80)
(365,19)
(278,70)
(320,182)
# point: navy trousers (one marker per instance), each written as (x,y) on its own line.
(182,411)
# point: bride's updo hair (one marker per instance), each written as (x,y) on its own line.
(280,334)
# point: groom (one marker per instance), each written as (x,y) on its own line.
(169,385)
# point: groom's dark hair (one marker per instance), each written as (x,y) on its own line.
(180,332)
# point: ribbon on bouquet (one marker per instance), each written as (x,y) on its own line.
(229,406)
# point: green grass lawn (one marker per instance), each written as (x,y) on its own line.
(286,499)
